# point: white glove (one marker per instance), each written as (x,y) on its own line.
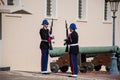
(52,41)
(51,36)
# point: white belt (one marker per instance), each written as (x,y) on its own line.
(73,44)
(45,40)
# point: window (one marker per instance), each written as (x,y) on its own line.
(51,8)
(9,2)
(107,11)
(82,9)
(7,6)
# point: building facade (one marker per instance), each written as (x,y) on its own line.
(20,32)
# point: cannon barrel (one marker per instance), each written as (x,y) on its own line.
(60,51)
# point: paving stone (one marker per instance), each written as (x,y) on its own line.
(23,75)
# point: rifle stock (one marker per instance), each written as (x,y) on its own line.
(50,43)
(66,50)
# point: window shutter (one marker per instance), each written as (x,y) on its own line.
(107,12)
(49,8)
(17,2)
(83,9)
(53,8)
(80,9)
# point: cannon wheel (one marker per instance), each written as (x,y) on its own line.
(107,68)
(83,69)
(97,67)
(54,67)
(64,69)
(119,66)
(90,66)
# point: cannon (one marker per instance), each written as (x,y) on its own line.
(101,56)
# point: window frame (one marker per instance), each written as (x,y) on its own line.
(86,12)
(56,11)
(105,14)
(15,3)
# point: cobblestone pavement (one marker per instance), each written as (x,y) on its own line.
(22,75)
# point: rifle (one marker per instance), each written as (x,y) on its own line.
(66,50)
(50,43)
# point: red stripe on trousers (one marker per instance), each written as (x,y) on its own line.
(72,64)
(41,59)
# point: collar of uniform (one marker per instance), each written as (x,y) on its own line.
(45,28)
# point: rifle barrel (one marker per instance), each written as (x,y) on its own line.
(66,50)
(50,44)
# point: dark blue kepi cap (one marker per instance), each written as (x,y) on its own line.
(45,22)
(73,26)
